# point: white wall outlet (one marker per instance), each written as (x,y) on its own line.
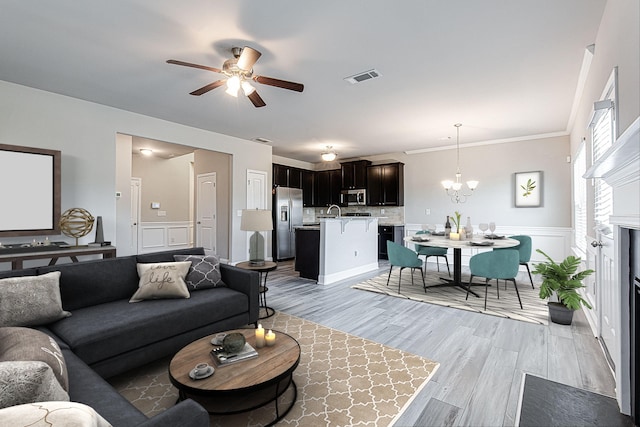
(155,205)
(427,211)
(162,213)
(381,211)
(118,194)
(239,212)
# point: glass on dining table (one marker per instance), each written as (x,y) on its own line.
(492,227)
(483,227)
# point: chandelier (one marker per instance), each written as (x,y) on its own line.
(454,188)
(329,155)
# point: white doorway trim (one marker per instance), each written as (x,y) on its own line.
(206,214)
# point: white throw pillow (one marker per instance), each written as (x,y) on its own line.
(31,300)
(162,280)
(58,414)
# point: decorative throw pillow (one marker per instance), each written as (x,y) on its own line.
(204,272)
(162,280)
(25,344)
(28,382)
(31,300)
(52,414)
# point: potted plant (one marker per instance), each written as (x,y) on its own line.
(563,281)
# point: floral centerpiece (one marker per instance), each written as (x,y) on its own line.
(456,219)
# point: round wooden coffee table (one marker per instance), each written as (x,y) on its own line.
(241,386)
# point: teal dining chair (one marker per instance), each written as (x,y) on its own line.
(428,251)
(524,250)
(499,265)
(403,257)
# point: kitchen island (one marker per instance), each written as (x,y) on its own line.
(345,247)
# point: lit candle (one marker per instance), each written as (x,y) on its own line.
(270,338)
(454,236)
(260,336)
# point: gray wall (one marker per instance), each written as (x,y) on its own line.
(165,181)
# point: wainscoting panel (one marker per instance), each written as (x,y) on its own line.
(159,236)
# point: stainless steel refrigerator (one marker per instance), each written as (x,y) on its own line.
(287,212)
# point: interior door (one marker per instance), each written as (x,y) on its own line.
(134,217)
(257,199)
(609,295)
(206,227)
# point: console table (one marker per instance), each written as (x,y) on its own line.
(73,252)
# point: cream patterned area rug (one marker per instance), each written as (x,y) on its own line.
(342,380)
(534,309)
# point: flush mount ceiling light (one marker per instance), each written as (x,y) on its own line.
(146,151)
(329,155)
(454,188)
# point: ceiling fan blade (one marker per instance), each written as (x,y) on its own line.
(256,99)
(207,88)
(248,57)
(189,64)
(298,87)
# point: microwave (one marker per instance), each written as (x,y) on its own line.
(353,197)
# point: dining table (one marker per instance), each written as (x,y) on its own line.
(479,241)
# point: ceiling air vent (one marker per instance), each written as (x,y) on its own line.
(361,77)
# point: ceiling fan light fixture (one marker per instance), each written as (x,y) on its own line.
(329,155)
(233,84)
(247,88)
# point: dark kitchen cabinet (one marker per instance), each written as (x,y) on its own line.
(308,253)
(354,174)
(308,188)
(286,176)
(395,233)
(328,184)
(385,184)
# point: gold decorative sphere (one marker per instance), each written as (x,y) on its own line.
(76,222)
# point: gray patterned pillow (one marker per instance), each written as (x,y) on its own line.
(26,344)
(204,272)
(28,382)
(31,300)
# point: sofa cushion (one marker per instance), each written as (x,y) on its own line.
(26,344)
(103,331)
(88,283)
(52,414)
(30,300)
(162,280)
(27,382)
(167,256)
(204,272)
(86,386)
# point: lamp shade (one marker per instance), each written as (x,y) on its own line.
(256,220)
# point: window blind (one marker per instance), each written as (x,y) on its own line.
(601,140)
(580,200)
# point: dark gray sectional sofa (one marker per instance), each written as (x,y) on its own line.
(107,335)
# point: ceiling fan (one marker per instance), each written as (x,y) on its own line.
(239,73)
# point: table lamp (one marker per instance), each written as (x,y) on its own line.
(256,220)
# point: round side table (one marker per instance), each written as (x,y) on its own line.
(264,272)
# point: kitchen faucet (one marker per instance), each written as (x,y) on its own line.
(339,211)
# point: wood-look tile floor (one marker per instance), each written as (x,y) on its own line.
(482,358)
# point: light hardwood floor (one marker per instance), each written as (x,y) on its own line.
(482,358)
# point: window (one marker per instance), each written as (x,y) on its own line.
(580,199)
(603,134)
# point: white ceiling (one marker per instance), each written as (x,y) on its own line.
(504,69)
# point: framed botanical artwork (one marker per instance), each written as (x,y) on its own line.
(528,189)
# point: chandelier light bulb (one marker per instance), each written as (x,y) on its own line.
(329,155)
(454,188)
(247,88)
(233,84)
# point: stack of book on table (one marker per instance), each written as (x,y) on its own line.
(222,357)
